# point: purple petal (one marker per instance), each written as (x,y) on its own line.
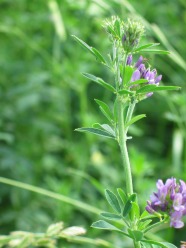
(135,75)
(159,184)
(147,74)
(151,78)
(138,63)
(177,203)
(129,59)
(177,224)
(149,94)
(141,68)
(176,219)
(182,187)
(158,79)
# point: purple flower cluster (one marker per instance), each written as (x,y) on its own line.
(170,199)
(142,73)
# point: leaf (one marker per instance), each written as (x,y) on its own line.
(122,195)
(95,131)
(153,88)
(105,109)
(161,244)
(112,200)
(128,74)
(117,27)
(83,44)
(136,209)
(92,50)
(159,88)
(135,234)
(128,205)
(143,224)
(140,81)
(135,119)
(147,88)
(98,55)
(146,215)
(101,224)
(123,92)
(111,216)
(99,81)
(156,51)
(106,127)
(168,245)
(146,46)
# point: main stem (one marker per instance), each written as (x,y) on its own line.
(123,147)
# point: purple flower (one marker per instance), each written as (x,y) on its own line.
(170,198)
(139,62)
(142,72)
(129,59)
(135,76)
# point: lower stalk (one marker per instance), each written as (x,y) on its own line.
(123,147)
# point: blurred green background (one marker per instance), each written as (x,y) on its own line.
(44,97)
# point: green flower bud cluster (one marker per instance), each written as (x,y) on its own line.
(132,34)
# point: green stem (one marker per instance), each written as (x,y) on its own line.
(137,244)
(123,147)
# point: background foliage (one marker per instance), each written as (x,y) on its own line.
(44,98)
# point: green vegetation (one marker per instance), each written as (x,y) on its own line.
(58,174)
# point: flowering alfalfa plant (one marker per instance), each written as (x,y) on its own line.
(135,81)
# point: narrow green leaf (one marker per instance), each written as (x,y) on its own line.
(117,27)
(146,46)
(156,51)
(90,76)
(111,31)
(168,245)
(145,215)
(95,131)
(92,50)
(105,114)
(136,209)
(140,81)
(105,108)
(111,216)
(135,119)
(127,208)
(153,88)
(106,85)
(128,205)
(98,55)
(124,92)
(135,234)
(159,88)
(109,129)
(122,195)
(83,44)
(99,81)
(143,224)
(101,224)
(106,127)
(161,244)
(128,74)
(113,200)
(146,88)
